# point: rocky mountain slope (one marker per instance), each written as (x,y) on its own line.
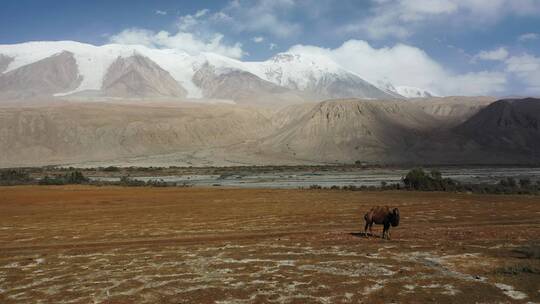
(241,87)
(93,132)
(453,110)
(4,62)
(57,73)
(138,76)
(335,131)
(351,130)
(507,126)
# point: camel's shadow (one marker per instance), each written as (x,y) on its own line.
(363,234)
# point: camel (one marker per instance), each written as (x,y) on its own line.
(382,216)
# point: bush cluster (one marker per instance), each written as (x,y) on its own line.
(11,177)
(75,177)
(130,182)
(111,169)
(420,180)
(356,188)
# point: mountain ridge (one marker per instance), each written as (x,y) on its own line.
(311,78)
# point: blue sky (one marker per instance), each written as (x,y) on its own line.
(472,47)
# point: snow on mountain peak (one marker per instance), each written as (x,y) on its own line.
(413,92)
(304,71)
(388,87)
(94,61)
(403,91)
(295,70)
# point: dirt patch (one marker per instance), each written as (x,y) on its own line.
(169,245)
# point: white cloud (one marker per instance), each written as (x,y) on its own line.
(257,39)
(261,16)
(201,13)
(401,18)
(528,37)
(526,67)
(378,27)
(407,65)
(396,18)
(413,10)
(188,22)
(272,46)
(220,17)
(474,83)
(134,36)
(499,54)
(160,12)
(184,41)
(192,36)
(525,63)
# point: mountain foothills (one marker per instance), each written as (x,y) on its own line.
(463,131)
(68,103)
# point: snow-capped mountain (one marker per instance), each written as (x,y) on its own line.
(316,75)
(93,62)
(403,91)
(387,87)
(412,92)
(65,68)
(226,83)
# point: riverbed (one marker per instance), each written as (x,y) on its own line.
(355,177)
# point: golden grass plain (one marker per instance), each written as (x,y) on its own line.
(87,244)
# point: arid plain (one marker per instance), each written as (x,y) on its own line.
(87,244)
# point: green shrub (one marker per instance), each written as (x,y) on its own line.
(111,169)
(418,179)
(157,183)
(130,182)
(54,180)
(14,177)
(525,183)
(75,177)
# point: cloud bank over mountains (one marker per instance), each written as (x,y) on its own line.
(402,64)
(449,47)
(384,55)
(406,65)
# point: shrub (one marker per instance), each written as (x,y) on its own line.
(111,169)
(525,182)
(127,181)
(75,177)
(418,179)
(157,183)
(508,182)
(54,180)
(14,177)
